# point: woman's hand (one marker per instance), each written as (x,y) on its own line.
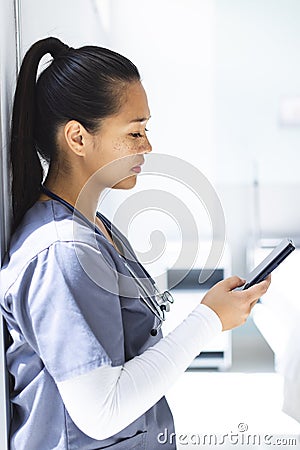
(233,307)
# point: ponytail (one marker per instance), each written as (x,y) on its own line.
(84,84)
(27,171)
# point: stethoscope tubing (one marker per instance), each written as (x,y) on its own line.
(149,299)
(154,308)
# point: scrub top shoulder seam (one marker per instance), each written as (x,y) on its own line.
(52,244)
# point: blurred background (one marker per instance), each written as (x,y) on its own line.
(222,80)
(223,85)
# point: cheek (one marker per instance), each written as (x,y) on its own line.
(122,154)
(122,147)
(114,164)
(126,147)
(112,152)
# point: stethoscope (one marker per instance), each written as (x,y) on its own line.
(158,302)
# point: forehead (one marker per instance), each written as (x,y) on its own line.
(134,108)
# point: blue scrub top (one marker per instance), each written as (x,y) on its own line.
(71,306)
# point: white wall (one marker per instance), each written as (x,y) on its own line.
(257,63)
(214,72)
(172,43)
(76,22)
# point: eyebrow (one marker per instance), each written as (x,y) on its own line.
(140,119)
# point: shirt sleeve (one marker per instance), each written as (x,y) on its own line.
(106,400)
(72,321)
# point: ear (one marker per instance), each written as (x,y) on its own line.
(76,137)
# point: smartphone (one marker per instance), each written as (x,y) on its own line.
(270,263)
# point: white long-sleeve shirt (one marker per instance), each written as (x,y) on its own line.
(107,399)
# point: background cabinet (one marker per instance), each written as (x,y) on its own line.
(187,294)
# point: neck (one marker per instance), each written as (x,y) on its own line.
(80,192)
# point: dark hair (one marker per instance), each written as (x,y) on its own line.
(84,84)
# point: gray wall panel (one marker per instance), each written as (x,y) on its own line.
(8,67)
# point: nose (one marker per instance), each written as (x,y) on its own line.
(148,147)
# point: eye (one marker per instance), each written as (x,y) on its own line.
(138,135)
(135,135)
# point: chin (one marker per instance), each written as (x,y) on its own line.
(127,183)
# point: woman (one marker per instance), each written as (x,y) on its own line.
(89,363)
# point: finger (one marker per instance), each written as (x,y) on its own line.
(234,282)
(268,280)
(257,290)
(265,283)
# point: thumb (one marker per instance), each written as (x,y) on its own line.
(234,282)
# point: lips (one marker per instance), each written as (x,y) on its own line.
(138,168)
